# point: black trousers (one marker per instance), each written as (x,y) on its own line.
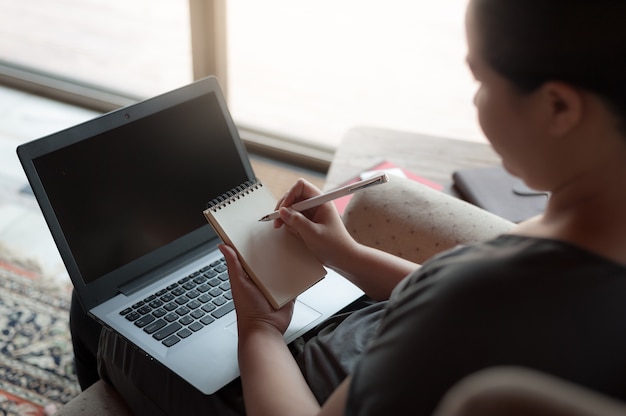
(85,337)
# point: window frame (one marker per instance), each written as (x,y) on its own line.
(209,57)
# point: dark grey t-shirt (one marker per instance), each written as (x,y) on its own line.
(514,300)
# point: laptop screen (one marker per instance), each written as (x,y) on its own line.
(128,191)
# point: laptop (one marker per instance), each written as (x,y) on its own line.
(123,196)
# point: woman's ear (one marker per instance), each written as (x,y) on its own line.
(564,105)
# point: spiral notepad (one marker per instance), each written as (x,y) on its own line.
(276,260)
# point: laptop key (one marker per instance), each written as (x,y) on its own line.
(182,300)
(159,312)
(210,273)
(184,333)
(171,341)
(144,320)
(186,320)
(218,313)
(199,280)
(144,309)
(219,301)
(132,316)
(203,288)
(126,311)
(194,304)
(207,319)
(155,326)
(198,313)
(167,331)
(183,310)
(167,297)
(171,317)
(208,307)
(196,326)
(204,298)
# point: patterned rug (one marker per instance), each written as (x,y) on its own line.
(36,367)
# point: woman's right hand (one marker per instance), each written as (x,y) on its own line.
(321,228)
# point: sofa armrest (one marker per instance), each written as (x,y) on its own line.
(413,221)
(99,399)
(517,391)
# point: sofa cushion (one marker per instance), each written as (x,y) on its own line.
(99,399)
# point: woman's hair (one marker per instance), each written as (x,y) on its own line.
(580,42)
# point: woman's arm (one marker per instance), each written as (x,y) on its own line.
(374,271)
(322,230)
(271,379)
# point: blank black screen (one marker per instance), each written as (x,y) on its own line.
(126,192)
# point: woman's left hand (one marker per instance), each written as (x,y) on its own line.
(253,309)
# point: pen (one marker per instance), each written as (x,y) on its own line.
(329,196)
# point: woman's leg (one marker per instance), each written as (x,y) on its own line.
(85,333)
(415,222)
(149,388)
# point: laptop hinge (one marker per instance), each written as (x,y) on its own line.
(136,285)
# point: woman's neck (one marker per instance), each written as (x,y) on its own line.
(588,209)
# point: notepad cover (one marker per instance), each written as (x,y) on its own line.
(276,260)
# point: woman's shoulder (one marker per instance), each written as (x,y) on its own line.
(508,262)
(521,250)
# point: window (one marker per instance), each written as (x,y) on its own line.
(304,71)
(312,70)
(139,48)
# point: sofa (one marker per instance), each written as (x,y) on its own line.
(414,221)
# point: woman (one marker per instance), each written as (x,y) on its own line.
(552,101)
(549,295)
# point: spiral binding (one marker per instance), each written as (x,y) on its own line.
(234,194)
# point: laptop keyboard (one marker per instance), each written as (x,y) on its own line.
(185,307)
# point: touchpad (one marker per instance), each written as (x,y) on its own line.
(303,316)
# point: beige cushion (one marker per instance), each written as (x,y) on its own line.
(99,399)
(413,221)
